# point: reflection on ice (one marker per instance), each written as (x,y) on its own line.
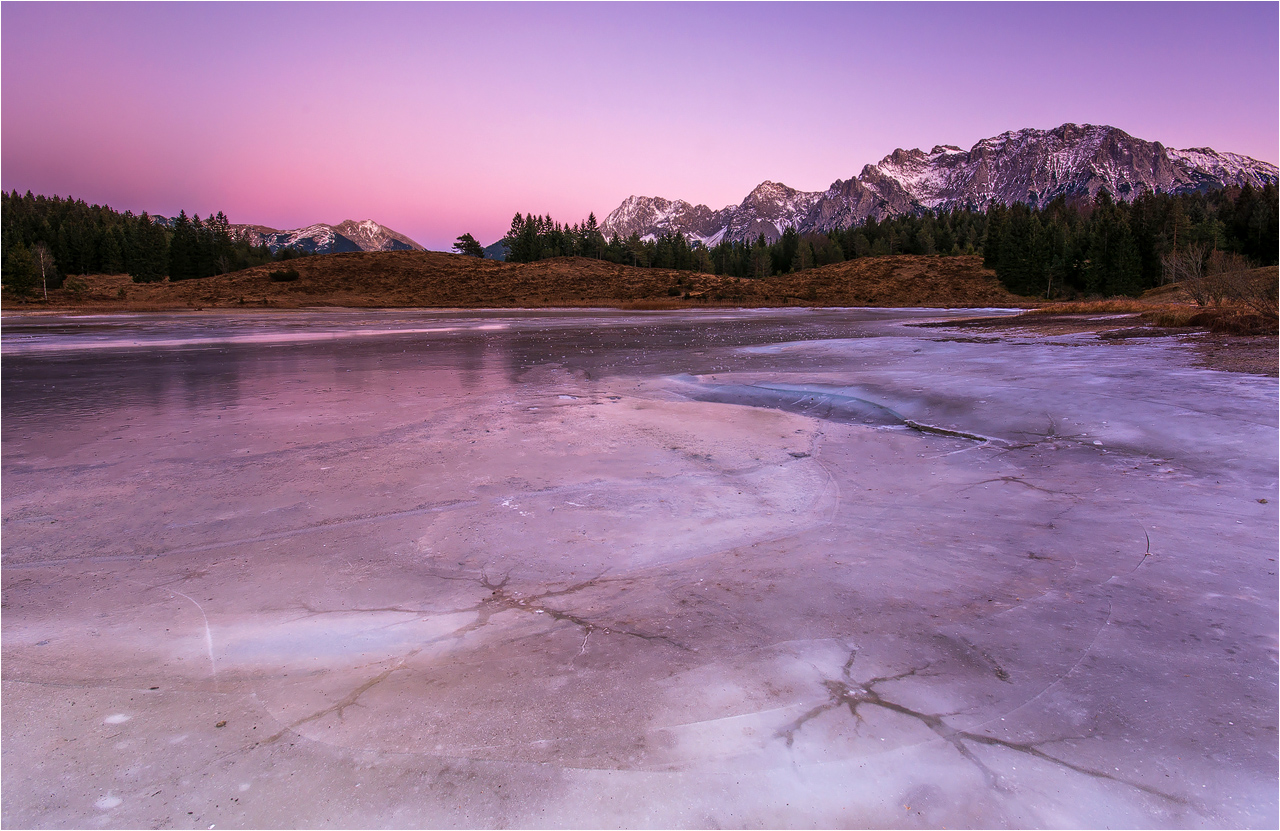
(587,568)
(815,401)
(831,405)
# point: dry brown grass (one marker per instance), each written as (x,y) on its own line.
(426,279)
(1115,305)
(1172,307)
(1228,320)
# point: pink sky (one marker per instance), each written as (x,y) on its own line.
(438,119)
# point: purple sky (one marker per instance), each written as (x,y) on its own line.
(438,119)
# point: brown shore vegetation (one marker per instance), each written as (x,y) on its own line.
(1234,336)
(1170,307)
(428,279)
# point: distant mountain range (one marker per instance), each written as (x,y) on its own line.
(1032,166)
(351,235)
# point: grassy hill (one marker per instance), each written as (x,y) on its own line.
(398,279)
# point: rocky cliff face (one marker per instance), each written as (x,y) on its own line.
(654,216)
(1032,166)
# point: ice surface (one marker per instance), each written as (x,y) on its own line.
(592,568)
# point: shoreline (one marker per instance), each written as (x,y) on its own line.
(1254,354)
(603,306)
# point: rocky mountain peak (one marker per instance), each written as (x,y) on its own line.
(1027,165)
(371,236)
(320,238)
(769,197)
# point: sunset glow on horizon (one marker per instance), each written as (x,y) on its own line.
(439,119)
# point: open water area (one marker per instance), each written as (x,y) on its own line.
(780,568)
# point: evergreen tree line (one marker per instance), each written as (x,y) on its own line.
(1123,248)
(533,237)
(932,233)
(94,239)
(1063,249)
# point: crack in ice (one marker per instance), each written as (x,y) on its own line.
(845,692)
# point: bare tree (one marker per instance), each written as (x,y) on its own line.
(1260,292)
(1211,277)
(1186,267)
(43,259)
(1238,280)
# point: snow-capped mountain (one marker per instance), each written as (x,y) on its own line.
(350,235)
(1033,166)
(371,236)
(653,216)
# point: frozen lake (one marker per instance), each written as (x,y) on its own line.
(717,568)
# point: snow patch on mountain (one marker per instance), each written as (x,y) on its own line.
(320,238)
(1227,166)
(371,236)
(1029,165)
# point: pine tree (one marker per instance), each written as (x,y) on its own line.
(994,236)
(19,272)
(924,242)
(785,253)
(513,241)
(827,250)
(592,238)
(182,249)
(803,258)
(761,263)
(637,251)
(530,241)
(111,252)
(617,251)
(149,258)
(222,246)
(1124,272)
(468,246)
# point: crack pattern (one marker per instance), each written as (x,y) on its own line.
(1051,438)
(1020,481)
(499,599)
(845,692)
(351,699)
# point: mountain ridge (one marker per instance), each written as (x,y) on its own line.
(347,236)
(1028,165)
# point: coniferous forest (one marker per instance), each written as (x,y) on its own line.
(47,239)
(1061,250)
